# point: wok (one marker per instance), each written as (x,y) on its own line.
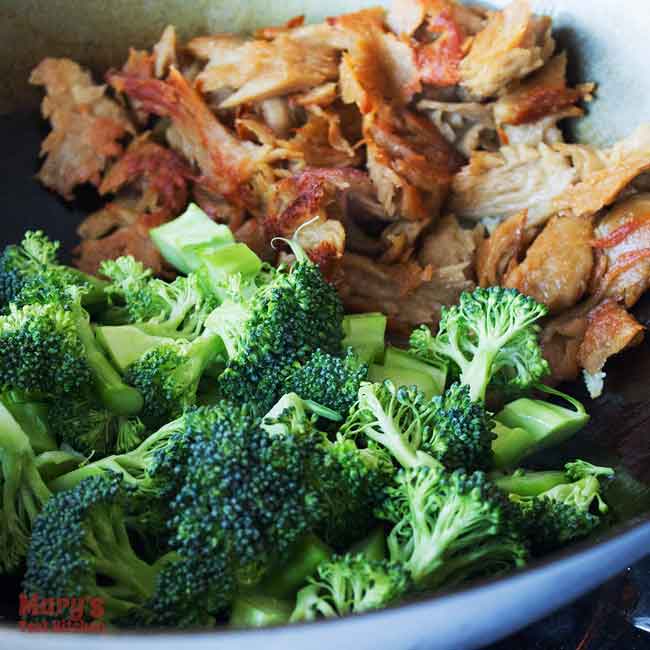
(607,43)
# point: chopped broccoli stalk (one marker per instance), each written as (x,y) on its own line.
(31,271)
(80,545)
(304,558)
(373,546)
(396,358)
(254,610)
(350,584)
(365,334)
(31,415)
(527,425)
(51,464)
(111,389)
(125,344)
(180,241)
(23,491)
(449,527)
(403,377)
(218,265)
(490,338)
(530,484)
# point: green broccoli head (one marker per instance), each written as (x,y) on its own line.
(399,419)
(268,326)
(31,273)
(461,432)
(168,375)
(565,512)
(245,494)
(491,338)
(351,584)
(88,427)
(41,351)
(330,380)
(172,309)
(449,527)
(80,547)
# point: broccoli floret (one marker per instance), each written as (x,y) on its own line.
(328,380)
(80,547)
(23,492)
(449,527)
(83,423)
(461,432)
(31,271)
(398,419)
(159,308)
(350,585)
(269,327)
(168,375)
(41,351)
(245,493)
(565,512)
(490,337)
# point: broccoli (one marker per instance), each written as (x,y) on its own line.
(267,324)
(249,517)
(175,310)
(350,585)
(449,429)
(449,527)
(30,271)
(490,338)
(23,491)
(328,380)
(559,512)
(31,414)
(168,375)
(365,334)
(256,610)
(84,424)
(80,547)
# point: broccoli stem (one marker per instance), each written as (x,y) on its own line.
(254,610)
(32,418)
(396,358)
(113,392)
(365,334)
(530,484)
(527,425)
(478,372)
(401,376)
(51,464)
(285,580)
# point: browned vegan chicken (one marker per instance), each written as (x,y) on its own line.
(419,147)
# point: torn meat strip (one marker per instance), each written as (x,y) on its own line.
(225,161)
(448,244)
(513,44)
(558,264)
(87,126)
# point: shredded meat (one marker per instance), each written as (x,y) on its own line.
(623,239)
(449,245)
(514,179)
(561,339)
(601,186)
(558,264)
(225,161)
(399,239)
(159,172)
(260,69)
(513,44)
(409,162)
(87,126)
(499,253)
(610,330)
